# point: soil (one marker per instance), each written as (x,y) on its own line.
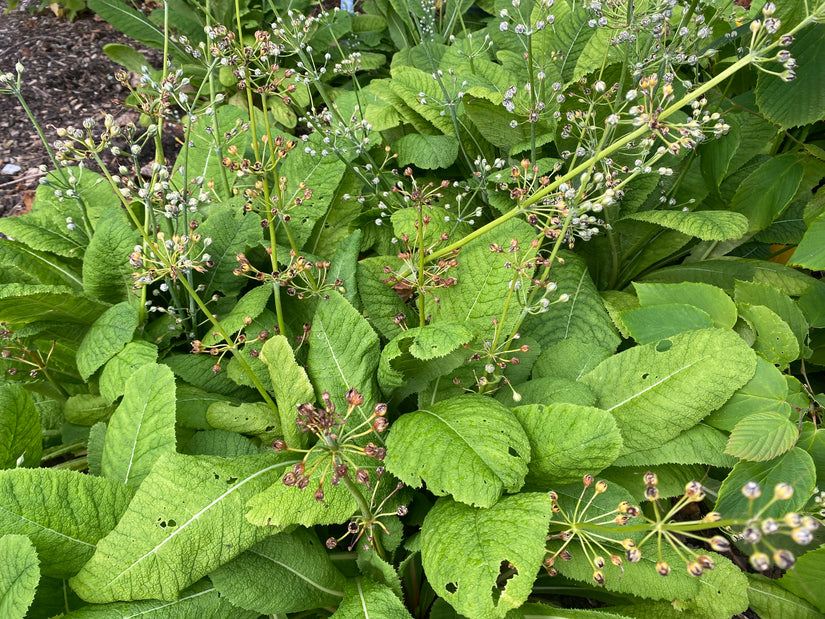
(67,79)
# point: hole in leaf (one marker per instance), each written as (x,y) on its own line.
(664,345)
(451,587)
(162,524)
(512,452)
(216,476)
(645,375)
(172,523)
(231,480)
(506,572)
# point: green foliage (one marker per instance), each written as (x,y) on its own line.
(413,279)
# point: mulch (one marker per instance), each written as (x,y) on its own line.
(68,78)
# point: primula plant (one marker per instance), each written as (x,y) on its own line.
(507,308)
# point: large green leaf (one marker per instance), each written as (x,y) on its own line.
(19,575)
(366,599)
(766,192)
(46,268)
(711,299)
(297,561)
(142,428)
(107,274)
(131,22)
(794,467)
(778,302)
(20,435)
(471,447)
(255,418)
(64,513)
(121,367)
(775,340)
(21,305)
(655,322)
(803,100)
(811,251)
(200,601)
(184,522)
(290,386)
(583,317)
(343,354)
(44,229)
(762,436)
(700,444)
(107,337)
(769,600)
(428,152)
(704,225)
(563,448)
(244,310)
(484,280)
(464,549)
(805,579)
(656,391)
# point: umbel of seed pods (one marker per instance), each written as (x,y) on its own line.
(336,442)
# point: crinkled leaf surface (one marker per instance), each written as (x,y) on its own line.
(186,520)
(583,317)
(19,575)
(231,231)
(768,599)
(765,193)
(200,601)
(571,358)
(343,354)
(143,426)
(365,599)
(704,225)
(120,368)
(810,254)
(256,418)
(290,385)
(778,302)
(22,304)
(64,513)
(107,337)
(463,549)
(775,340)
(107,274)
(248,307)
(795,467)
(655,322)
(471,447)
(428,152)
(700,444)
(658,390)
(567,441)
(762,436)
(298,562)
(20,434)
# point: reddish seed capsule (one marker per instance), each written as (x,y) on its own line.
(279,445)
(289,479)
(331,543)
(663,568)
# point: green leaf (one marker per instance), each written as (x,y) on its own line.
(812,440)
(716,155)
(464,549)
(810,254)
(107,337)
(711,299)
(200,601)
(197,370)
(704,225)
(428,152)
(483,279)
(20,436)
(107,274)
(563,448)
(19,575)
(231,231)
(94,447)
(769,599)
(582,317)
(776,301)
(85,409)
(23,305)
(656,391)
(546,391)
(121,367)
(64,513)
(803,100)
(766,192)
(655,322)
(291,386)
(297,561)
(571,358)
(380,301)
(700,444)
(794,467)
(44,229)
(220,443)
(248,307)
(344,265)
(482,444)
(365,599)
(724,272)
(184,522)
(761,436)
(376,569)
(343,354)
(255,418)
(142,428)
(806,578)
(126,56)
(774,338)
(130,22)
(46,268)
(765,392)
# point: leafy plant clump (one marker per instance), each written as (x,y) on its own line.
(445,309)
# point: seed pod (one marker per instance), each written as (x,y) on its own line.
(651,479)
(719,543)
(760,561)
(331,543)
(598,576)
(783,492)
(694,568)
(784,559)
(663,568)
(706,562)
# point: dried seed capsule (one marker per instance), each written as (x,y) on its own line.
(783,491)
(663,568)
(598,562)
(651,479)
(331,543)
(760,561)
(634,555)
(706,562)
(694,568)
(719,543)
(598,576)
(587,480)
(751,490)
